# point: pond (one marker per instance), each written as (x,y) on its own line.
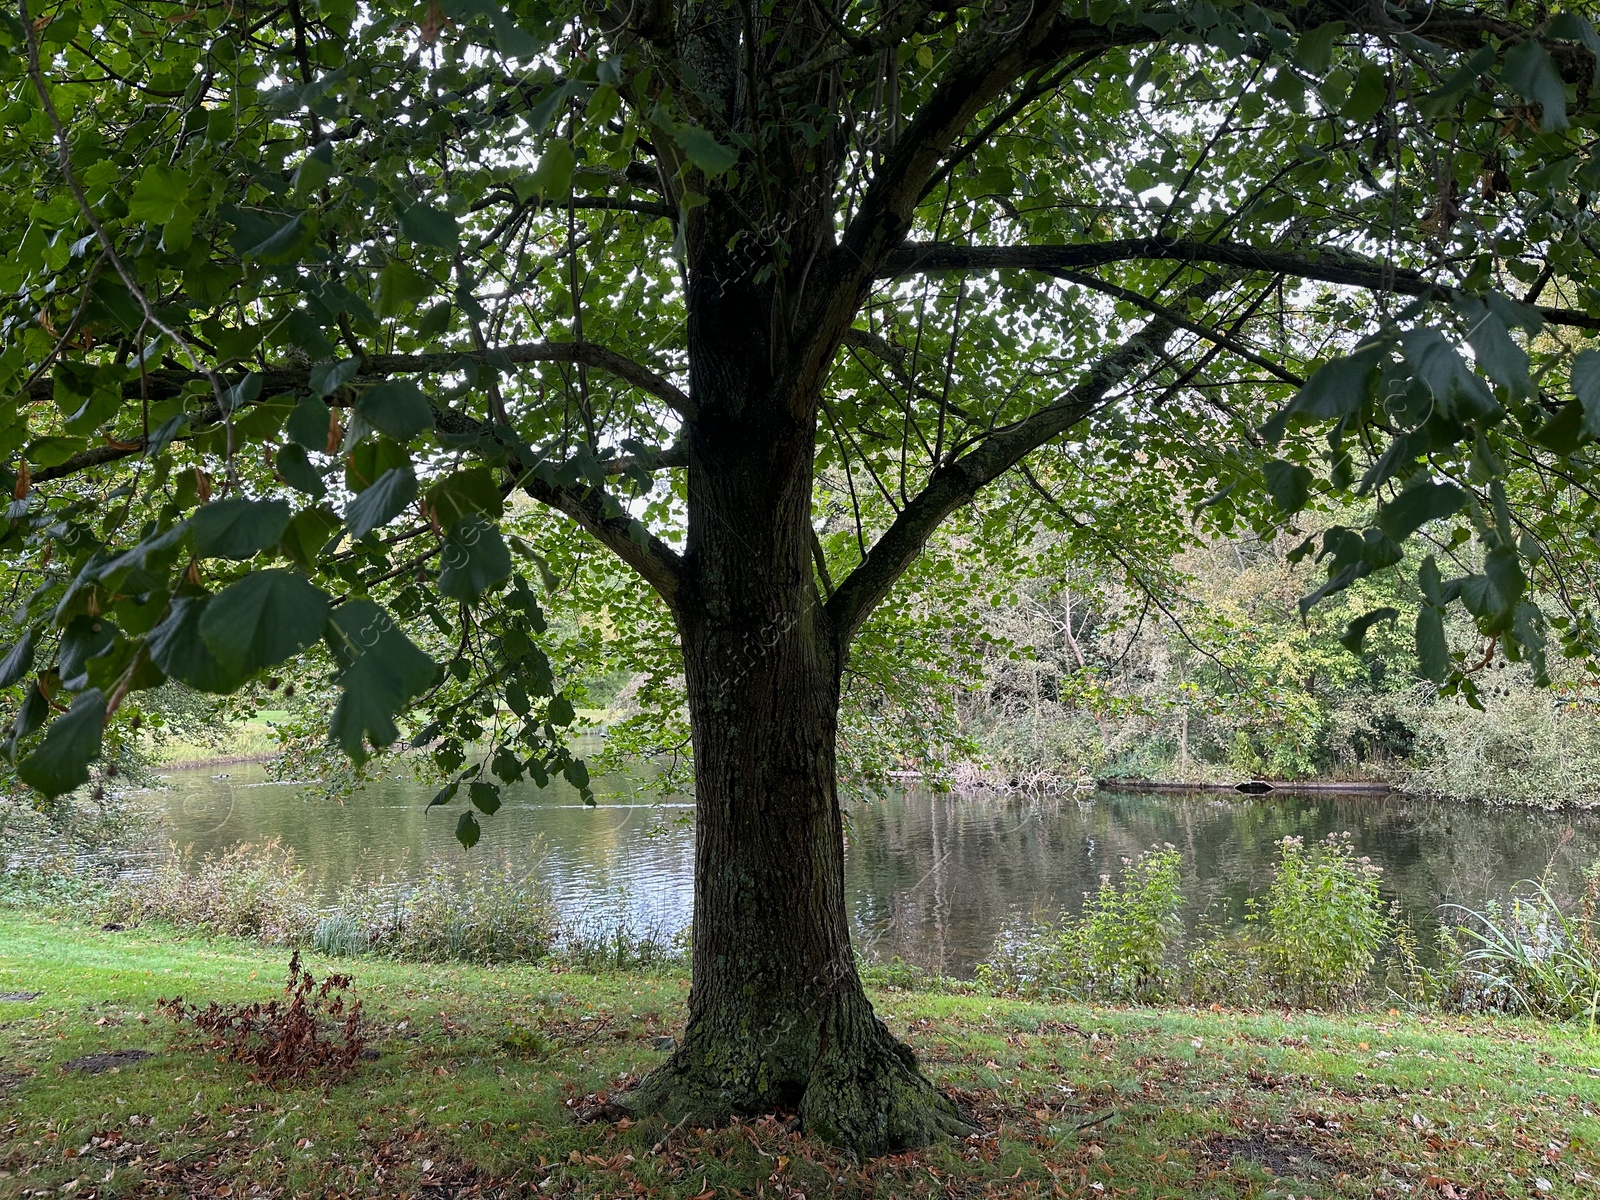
(932,878)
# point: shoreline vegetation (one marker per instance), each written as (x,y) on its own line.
(474,1081)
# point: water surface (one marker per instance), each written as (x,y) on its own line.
(931,878)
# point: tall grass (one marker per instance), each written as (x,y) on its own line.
(249,891)
(1534,955)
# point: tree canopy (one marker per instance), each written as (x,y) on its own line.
(305,302)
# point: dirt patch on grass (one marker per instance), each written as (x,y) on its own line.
(1284,1153)
(106,1060)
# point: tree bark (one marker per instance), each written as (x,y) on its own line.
(778,1019)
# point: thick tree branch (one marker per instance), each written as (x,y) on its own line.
(958,480)
(609,523)
(1325,264)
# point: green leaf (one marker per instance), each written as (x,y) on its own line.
(1420,503)
(382,502)
(1454,389)
(1530,70)
(160,193)
(552,178)
(296,470)
(1493,596)
(262,620)
(445,794)
(485,797)
(85,637)
(560,711)
(1586,387)
(328,377)
(1314,50)
(703,150)
(1355,634)
(1502,359)
(309,423)
(426,225)
(474,559)
(238,528)
(462,493)
(577,774)
(284,243)
(308,535)
(18,660)
(1335,389)
(1369,93)
(1566,430)
(401,287)
(467,831)
(1571,27)
(384,671)
(176,646)
(1432,652)
(61,761)
(1289,485)
(396,407)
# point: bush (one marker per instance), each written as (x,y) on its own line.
(1116,949)
(621,947)
(1228,968)
(1325,923)
(249,891)
(1539,958)
(490,913)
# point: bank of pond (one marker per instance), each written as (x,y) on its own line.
(1316,899)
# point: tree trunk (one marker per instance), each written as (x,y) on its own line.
(777,1015)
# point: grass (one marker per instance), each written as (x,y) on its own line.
(243,739)
(480,1070)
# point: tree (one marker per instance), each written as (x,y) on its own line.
(693,274)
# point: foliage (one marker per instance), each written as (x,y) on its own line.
(1115,949)
(621,946)
(1521,744)
(248,891)
(486,913)
(1315,937)
(1225,680)
(214,324)
(1535,956)
(1324,922)
(483,911)
(283,1041)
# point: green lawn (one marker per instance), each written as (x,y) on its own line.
(481,1069)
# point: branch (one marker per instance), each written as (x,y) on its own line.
(958,480)
(609,523)
(1327,264)
(979,71)
(166,384)
(599,512)
(163,385)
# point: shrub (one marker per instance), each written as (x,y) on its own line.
(621,947)
(487,913)
(1116,949)
(1325,923)
(1228,968)
(248,891)
(1538,958)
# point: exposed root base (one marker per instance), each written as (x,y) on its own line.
(870,1099)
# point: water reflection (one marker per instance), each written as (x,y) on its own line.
(931,878)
